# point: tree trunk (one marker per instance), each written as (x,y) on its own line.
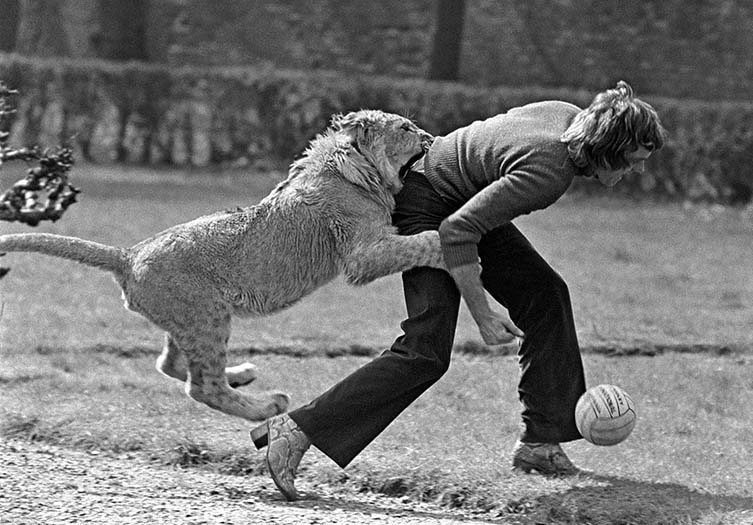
(40,29)
(448,39)
(122,30)
(9,10)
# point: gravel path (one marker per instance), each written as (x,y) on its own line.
(52,485)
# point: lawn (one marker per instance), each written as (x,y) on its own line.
(77,369)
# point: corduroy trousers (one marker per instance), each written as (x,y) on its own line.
(346,418)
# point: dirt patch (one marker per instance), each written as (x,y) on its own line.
(47,484)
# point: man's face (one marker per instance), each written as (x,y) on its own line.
(637,162)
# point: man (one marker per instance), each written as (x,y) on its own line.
(475,181)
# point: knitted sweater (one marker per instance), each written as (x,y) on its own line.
(498,169)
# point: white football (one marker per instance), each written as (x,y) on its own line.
(605,415)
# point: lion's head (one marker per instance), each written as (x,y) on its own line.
(385,142)
(369,148)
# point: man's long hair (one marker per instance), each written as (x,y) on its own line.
(614,124)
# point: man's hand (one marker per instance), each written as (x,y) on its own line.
(498,329)
(495,328)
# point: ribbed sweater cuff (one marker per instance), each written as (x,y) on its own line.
(459,254)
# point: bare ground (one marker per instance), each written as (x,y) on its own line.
(41,483)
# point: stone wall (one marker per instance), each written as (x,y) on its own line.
(675,48)
(388,36)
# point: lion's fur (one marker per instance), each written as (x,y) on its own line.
(330,216)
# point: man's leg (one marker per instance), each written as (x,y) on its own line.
(538,301)
(346,418)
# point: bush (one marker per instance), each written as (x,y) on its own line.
(708,156)
(148,113)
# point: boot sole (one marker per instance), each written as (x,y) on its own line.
(527,467)
(287,494)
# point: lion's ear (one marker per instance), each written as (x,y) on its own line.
(342,122)
(336,122)
(353,133)
(360,135)
(352,125)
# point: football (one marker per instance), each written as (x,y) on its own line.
(605,415)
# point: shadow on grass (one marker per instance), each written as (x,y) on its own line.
(606,501)
(474,348)
(130,352)
(619,500)
(13,380)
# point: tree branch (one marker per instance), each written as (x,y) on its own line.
(45,193)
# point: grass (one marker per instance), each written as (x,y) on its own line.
(682,462)
(77,369)
(632,269)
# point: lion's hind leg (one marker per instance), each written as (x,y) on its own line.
(207,383)
(172,363)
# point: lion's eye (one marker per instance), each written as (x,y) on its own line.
(406,127)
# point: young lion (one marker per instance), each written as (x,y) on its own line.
(330,216)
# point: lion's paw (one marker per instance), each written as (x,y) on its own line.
(280,402)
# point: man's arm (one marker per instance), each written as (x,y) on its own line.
(495,328)
(517,193)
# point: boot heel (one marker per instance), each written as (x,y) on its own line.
(259,436)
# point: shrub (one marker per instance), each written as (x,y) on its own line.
(149,113)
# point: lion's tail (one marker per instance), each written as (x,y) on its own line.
(108,258)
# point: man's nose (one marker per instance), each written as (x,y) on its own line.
(639,167)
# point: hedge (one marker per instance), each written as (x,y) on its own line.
(146,113)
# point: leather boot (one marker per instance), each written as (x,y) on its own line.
(286,445)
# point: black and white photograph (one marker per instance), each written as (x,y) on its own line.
(403,262)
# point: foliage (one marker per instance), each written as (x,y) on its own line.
(45,193)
